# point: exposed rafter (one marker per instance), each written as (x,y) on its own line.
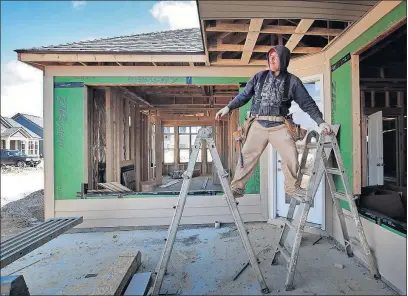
(253,33)
(301,29)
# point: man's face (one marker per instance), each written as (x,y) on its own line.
(274,63)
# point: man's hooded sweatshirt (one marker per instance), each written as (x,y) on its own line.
(271,101)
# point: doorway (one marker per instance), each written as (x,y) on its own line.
(278,200)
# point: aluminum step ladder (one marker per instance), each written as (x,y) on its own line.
(324,145)
(204,134)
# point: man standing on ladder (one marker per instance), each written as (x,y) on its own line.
(273,91)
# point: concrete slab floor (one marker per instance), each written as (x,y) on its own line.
(204,261)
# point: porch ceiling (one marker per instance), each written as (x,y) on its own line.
(175,101)
(240,33)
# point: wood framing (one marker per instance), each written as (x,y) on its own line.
(300,31)
(252,36)
(356,115)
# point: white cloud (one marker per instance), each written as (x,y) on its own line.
(21,89)
(78,4)
(178,14)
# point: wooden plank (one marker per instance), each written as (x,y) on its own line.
(127,135)
(301,29)
(121,128)
(132,131)
(176,143)
(129,222)
(158,149)
(273,29)
(88,133)
(121,58)
(356,122)
(259,48)
(364,168)
(169,212)
(109,135)
(114,280)
(138,142)
(252,36)
(120,186)
(108,186)
(118,150)
(139,284)
(204,34)
(169,183)
(164,202)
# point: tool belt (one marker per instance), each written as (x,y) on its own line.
(297,133)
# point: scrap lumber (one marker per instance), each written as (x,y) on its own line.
(114,279)
(169,183)
(114,187)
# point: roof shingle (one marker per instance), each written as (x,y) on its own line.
(173,41)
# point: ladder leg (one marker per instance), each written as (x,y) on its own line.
(353,208)
(237,217)
(338,208)
(285,230)
(296,245)
(171,237)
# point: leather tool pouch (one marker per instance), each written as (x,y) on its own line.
(297,133)
(243,131)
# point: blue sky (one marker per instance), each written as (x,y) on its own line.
(26,24)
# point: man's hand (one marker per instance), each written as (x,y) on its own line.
(326,129)
(222,112)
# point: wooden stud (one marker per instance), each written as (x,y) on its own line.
(300,31)
(372,99)
(109,135)
(176,145)
(127,134)
(356,122)
(364,169)
(387,98)
(252,36)
(158,149)
(138,148)
(204,33)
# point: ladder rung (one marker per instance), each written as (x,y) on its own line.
(340,195)
(343,196)
(289,224)
(333,171)
(299,199)
(314,145)
(284,252)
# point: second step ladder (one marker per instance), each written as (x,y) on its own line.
(324,146)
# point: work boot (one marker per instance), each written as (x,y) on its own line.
(236,193)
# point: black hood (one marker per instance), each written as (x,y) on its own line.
(284,57)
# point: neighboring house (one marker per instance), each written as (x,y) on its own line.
(134,103)
(32,123)
(14,136)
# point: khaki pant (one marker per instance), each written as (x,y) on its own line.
(257,139)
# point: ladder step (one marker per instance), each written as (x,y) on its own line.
(289,224)
(314,145)
(333,171)
(343,196)
(340,195)
(284,252)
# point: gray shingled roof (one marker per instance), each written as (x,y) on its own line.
(173,41)
(34,119)
(9,131)
(15,124)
